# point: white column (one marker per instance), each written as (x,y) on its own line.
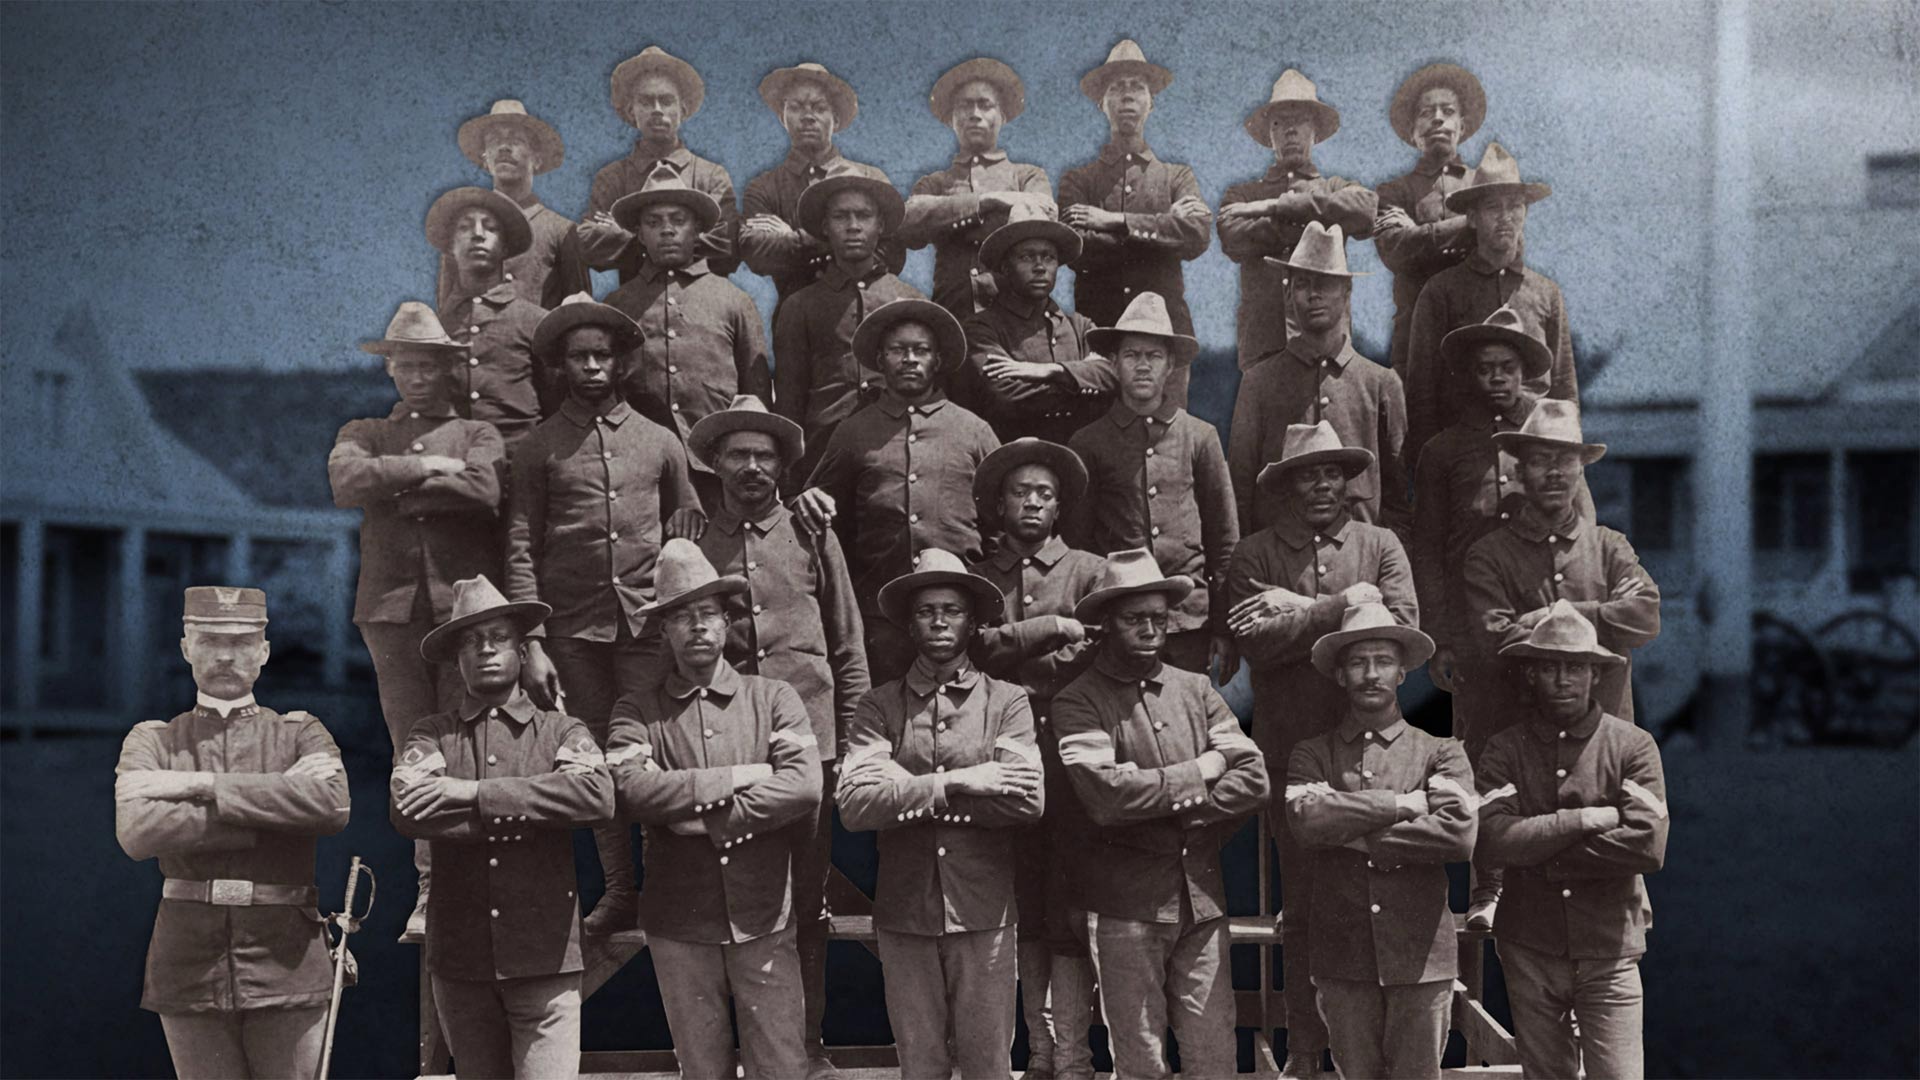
(27,586)
(1726,402)
(131,608)
(240,562)
(339,594)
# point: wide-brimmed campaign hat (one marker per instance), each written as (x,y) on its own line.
(1124,59)
(1504,327)
(1024,222)
(993,469)
(744,413)
(475,600)
(937,567)
(1013,92)
(1497,174)
(654,60)
(1322,249)
(512,115)
(1293,91)
(1307,445)
(1564,634)
(665,186)
(1371,622)
(414,326)
(581,309)
(516,235)
(682,575)
(223,609)
(1552,423)
(947,335)
(1404,111)
(1147,314)
(1130,573)
(846,104)
(811,212)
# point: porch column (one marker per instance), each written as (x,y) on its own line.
(130,607)
(27,585)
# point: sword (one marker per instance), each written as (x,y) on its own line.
(346,923)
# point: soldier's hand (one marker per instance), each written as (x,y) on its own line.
(1392,217)
(1250,209)
(771,225)
(1439,784)
(1599,818)
(166,784)
(1361,592)
(1248,614)
(1018,778)
(814,510)
(438,795)
(539,677)
(1531,619)
(318,765)
(1441,670)
(686,524)
(1213,765)
(1411,805)
(1093,218)
(1224,658)
(1005,368)
(1193,207)
(745,776)
(1073,630)
(442,465)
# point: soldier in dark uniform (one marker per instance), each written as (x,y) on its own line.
(497,785)
(513,148)
(230,796)
(479,230)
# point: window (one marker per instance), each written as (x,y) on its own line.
(1790,502)
(1893,179)
(1882,541)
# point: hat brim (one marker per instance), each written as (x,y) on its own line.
(1460,200)
(224,626)
(989,602)
(1353,460)
(813,202)
(1093,606)
(1406,100)
(628,208)
(1416,648)
(1326,120)
(725,585)
(1289,264)
(947,335)
(554,326)
(1107,338)
(994,468)
(1001,240)
(1094,83)
(516,234)
(386,347)
(1013,92)
(1513,442)
(540,135)
(693,89)
(1526,650)
(1535,358)
(442,641)
(708,431)
(846,104)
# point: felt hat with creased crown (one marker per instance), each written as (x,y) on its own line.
(1563,634)
(1130,573)
(414,326)
(846,104)
(1404,112)
(948,338)
(664,185)
(1293,91)
(1497,174)
(516,235)
(1013,92)
(745,412)
(1322,249)
(475,600)
(1025,222)
(512,115)
(1503,327)
(811,212)
(1147,314)
(224,609)
(1124,59)
(581,309)
(1066,465)
(1307,445)
(654,60)
(1370,622)
(682,575)
(1552,423)
(937,567)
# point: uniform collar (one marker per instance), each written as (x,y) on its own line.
(1124,417)
(499,295)
(1105,664)
(1050,552)
(223,708)
(963,158)
(1340,356)
(678,158)
(1024,309)
(1111,153)
(653,272)
(837,278)
(896,406)
(402,412)
(1351,728)
(1453,166)
(519,708)
(581,416)
(1277,171)
(1529,525)
(1582,728)
(1293,531)
(798,164)
(1478,263)
(730,523)
(1480,418)
(726,683)
(923,679)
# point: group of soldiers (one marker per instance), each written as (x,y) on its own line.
(964,569)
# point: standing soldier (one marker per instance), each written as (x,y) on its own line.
(1158,480)
(513,148)
(700,337)
(479,230)
(1434,111)
(593,489)
(1318,377)
(498,784)
(942,762)
(708,760)
(428,484)
(237,968)
(900,471)
(1025,487)
(814,105)
(1167,777)
(803,628)
(1574,804)
(1495,275)
(1141,217)
(1030,371)
(956,209)
(1261,221)
(1384,806)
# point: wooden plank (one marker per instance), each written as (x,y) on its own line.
(601,1062)
(1493,1045)
(605,956)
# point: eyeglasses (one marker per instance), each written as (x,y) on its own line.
(897,353)
(1134,620)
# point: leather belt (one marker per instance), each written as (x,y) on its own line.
(229,892)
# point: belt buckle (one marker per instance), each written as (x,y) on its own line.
(231,893)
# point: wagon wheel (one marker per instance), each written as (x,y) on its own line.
(1792,693)
(1876,679)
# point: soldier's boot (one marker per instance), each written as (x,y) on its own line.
(1036,971)
(423,868)
(619,906)
(1483,903)
(1070,982)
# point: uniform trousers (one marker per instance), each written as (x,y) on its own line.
(1045,856)
(513,1029)
(1153,974)
(762,977)
(950,998)
(1386,1032)
(812,858)
(1570,1015)
(594,675)
(246,1043)
(411,687)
